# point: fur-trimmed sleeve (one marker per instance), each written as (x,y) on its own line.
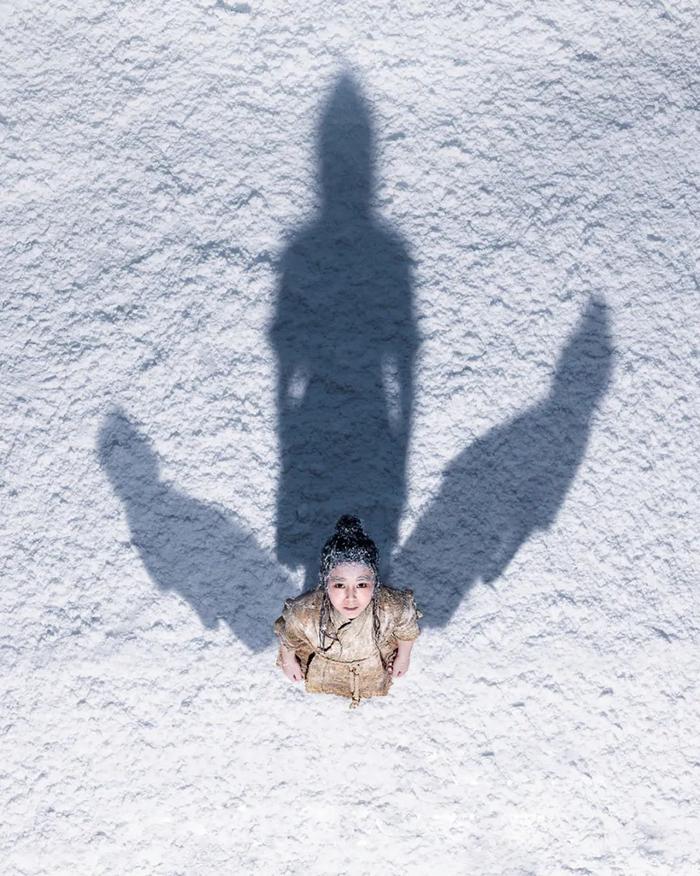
(406,628)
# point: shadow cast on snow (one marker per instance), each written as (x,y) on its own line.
(509,483)
(345,337)
(493,496)
(206,555)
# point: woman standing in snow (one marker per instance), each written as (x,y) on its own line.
(352,635)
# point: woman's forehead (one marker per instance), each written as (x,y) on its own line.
(350,570)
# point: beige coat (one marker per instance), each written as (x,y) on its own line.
(354,667)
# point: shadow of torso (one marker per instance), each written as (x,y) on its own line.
(345,339)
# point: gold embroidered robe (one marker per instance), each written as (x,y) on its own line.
(353,667)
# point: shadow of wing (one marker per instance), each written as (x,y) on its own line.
(508,483)
(205,554)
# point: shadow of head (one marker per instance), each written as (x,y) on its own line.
(346,149)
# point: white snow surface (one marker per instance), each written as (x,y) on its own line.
(157,159)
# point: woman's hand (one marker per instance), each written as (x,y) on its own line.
(400,665)
(291,667)
(402,659)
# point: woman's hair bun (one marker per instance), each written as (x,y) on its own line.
(348,544)
(349,525)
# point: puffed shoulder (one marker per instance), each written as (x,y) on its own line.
(400,606)
(299,615)
(398,599)
(301,608)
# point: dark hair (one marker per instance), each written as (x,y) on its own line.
(348,544)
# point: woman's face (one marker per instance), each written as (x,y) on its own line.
(350,588)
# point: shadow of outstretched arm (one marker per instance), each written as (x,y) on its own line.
(204,554)
(509,483)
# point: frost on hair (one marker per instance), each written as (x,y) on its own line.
(350,526)
(348,544)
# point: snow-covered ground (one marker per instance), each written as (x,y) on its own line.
(535,203)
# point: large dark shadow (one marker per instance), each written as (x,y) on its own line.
(345,338)
(509,483)
(204,554)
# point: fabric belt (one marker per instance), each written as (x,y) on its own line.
(346,662)
(355,688)
(354,669)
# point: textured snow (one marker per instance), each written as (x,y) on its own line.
(538,164)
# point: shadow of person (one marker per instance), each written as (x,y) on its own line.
(509,483)
(345,338)
(204,554)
